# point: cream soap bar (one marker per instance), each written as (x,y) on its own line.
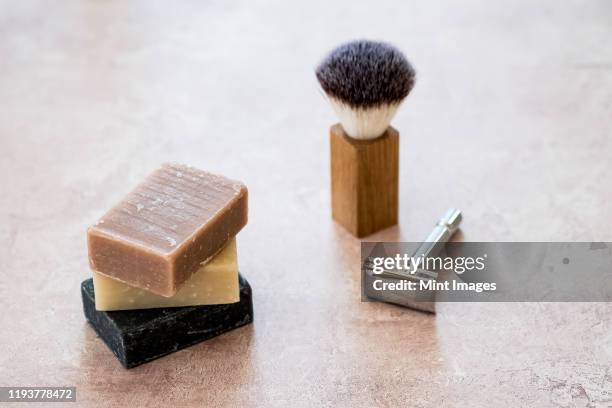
(214,283)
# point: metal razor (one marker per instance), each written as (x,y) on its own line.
(423,300)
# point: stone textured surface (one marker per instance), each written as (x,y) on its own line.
(509,120)
(139,336)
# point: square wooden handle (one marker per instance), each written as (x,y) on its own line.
(364,181)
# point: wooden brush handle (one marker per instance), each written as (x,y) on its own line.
(364,181)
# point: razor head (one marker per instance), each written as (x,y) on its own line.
(402,289)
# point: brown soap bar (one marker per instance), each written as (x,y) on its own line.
(161,233)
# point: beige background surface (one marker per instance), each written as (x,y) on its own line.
(509,120)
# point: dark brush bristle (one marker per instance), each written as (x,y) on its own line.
(366,74)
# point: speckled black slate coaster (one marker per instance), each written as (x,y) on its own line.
(139,336)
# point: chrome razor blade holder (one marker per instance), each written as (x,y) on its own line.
(423,300)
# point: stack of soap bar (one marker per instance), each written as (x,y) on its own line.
(169,244)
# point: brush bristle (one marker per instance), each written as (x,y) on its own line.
(364,74)
(366,82)
(364,123)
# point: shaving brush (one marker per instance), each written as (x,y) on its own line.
(365,82)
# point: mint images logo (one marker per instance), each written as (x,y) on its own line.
(416,266)
(411,264)
(487,272)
